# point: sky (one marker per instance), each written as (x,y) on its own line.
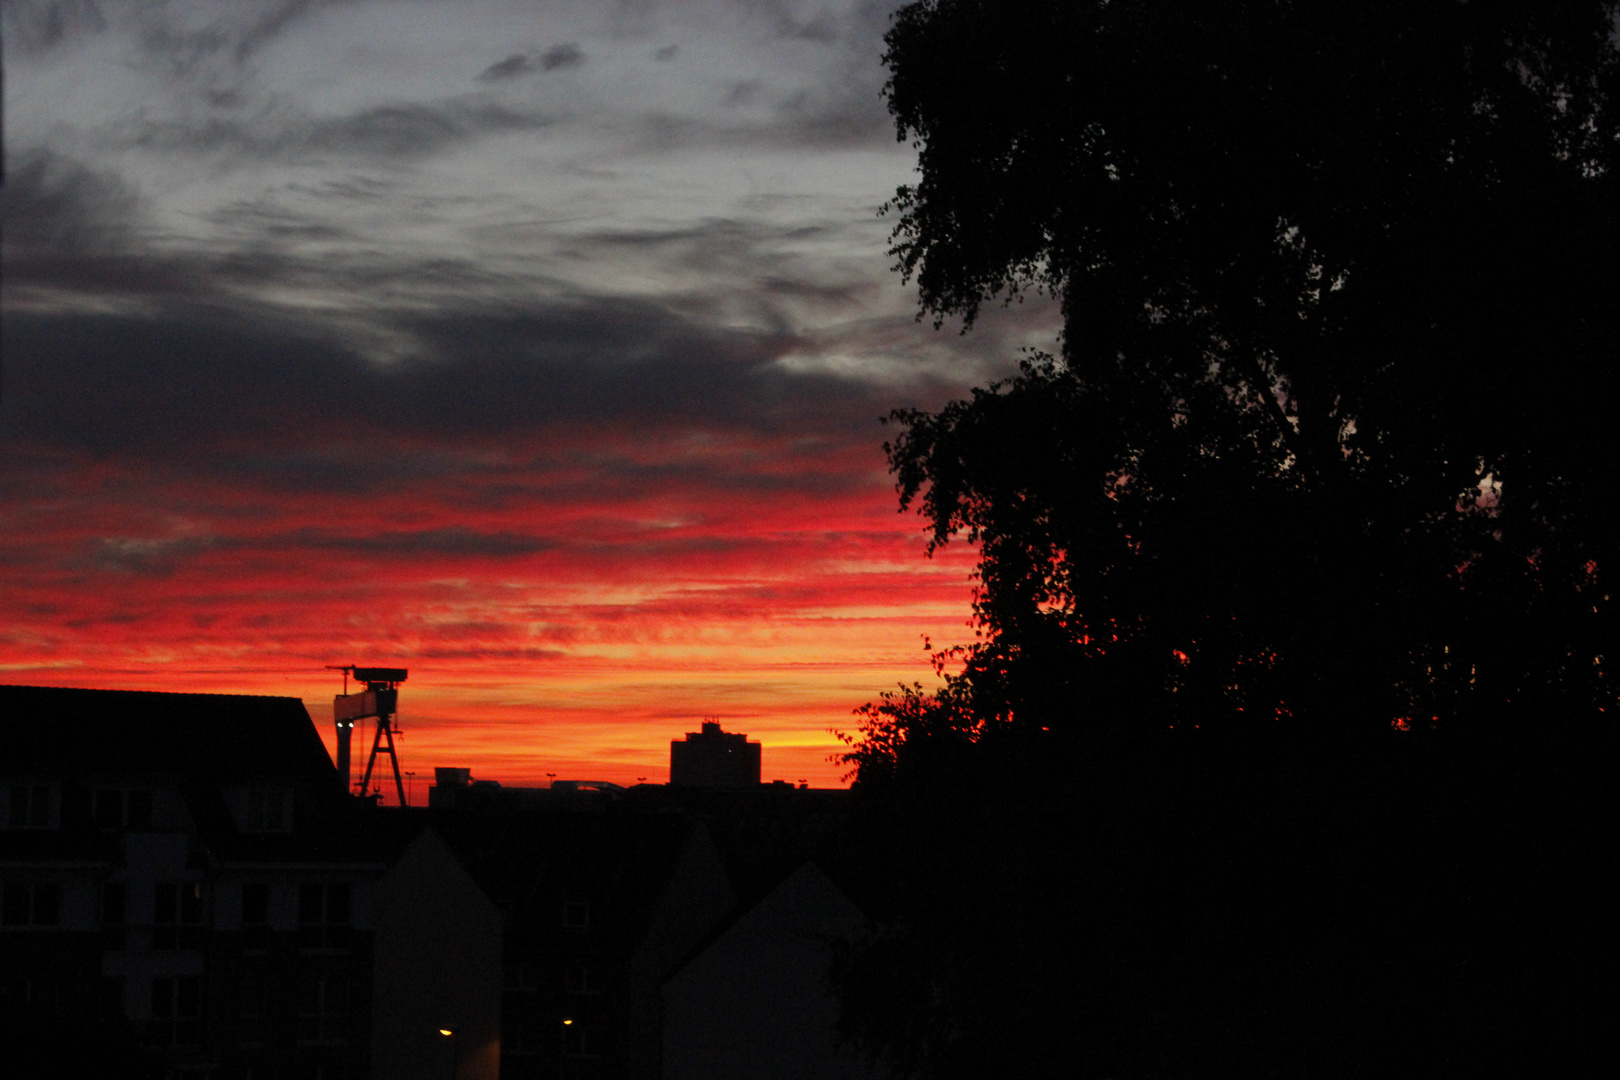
(536,347)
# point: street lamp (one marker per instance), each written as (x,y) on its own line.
(455,1050)
(574,1044)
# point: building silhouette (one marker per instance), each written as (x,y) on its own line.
(188,892)
(712,758)
(754,999)
(186,889)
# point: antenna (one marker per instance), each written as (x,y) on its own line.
(380,699)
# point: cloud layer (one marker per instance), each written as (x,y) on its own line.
(538,348)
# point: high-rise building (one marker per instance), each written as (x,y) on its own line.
(714,759)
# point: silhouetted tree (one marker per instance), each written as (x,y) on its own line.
(1330,434)
(1286,726)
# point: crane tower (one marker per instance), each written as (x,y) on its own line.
(380,699)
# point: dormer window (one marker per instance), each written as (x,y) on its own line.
(28,806)
(266,810)
(121,808)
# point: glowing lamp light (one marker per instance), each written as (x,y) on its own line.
(446,1031)
(567,1020)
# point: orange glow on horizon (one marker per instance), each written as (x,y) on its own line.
(554,620)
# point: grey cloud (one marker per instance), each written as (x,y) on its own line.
(236,31)
(32,26)
(450,540)
(269,26)
(140,555)
(159,556)
(513,66)
(743,92)
(54,204)
(666,52)
(196,381)
(480,653)
(836,114)
(789,20)
(564,55)
(823,27)
(404,129)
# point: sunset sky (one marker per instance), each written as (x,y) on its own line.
(536,347)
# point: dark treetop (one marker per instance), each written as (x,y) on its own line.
(1330,434)
(1282,746)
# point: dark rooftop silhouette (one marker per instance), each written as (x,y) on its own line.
(162,733)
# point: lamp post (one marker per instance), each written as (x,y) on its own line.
(455,1050)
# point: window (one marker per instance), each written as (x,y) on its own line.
(138,809)
(252,1004)
(323,916)
(177,915)
(582,980)
(28,806)
(577,915)
(251,995)
(176,1010)
(30,903)
(255,915)
(110,997)
(114,911)
(522,975)
(520,1033)
(266,810)
(117,808)
(108,807)
(321,1009)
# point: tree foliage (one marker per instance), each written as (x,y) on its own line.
(1289,715)
(1330,434)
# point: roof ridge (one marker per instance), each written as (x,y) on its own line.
(154,693)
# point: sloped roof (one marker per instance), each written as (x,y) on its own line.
(222,737)
(531,860)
